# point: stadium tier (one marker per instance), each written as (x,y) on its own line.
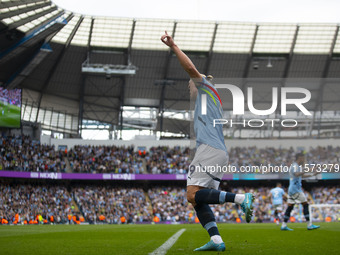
(70,68)
(117,204)
(23,154)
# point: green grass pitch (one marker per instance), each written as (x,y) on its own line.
(11,116)
(143,239)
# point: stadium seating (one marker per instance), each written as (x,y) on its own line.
(30,200)
(24,154)
(326,195)
(99,204)
(112,203)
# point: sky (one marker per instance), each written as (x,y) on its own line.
(287,11)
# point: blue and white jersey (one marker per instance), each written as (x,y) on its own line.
(277,194)
(204,128)
(294,181)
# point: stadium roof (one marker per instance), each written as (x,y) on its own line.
(43,49)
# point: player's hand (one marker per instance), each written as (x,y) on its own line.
(167,39)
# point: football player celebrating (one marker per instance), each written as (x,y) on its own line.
(202,184)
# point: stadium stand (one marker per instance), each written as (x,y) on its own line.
(60,95)
(112,204)
(326,195)
(69,74)
(105,159)
(23,154)
(100,204)
(170,204)
(30,200)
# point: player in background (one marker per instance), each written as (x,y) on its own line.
(202,185)
(295,194)
(277,194)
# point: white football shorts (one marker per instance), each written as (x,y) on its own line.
(297,198)
(208,167)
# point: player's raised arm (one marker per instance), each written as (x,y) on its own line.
(183,59)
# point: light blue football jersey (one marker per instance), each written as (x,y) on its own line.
(294,181)
(204,128)
(277,194)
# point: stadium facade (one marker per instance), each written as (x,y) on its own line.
(81,72)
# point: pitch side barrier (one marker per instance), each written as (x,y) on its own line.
(149,177)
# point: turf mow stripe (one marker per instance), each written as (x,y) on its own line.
(161,250)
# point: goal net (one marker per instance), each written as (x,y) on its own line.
(324,212)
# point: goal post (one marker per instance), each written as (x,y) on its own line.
(333,209)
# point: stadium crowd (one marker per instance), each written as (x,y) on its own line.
(24,154)
(25,203)
(112,205)
(13,97)
(105,159)
(167,160)
(253,156)
(326,195)
(117,205)
(170,204)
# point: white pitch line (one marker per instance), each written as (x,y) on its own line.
(161,250)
